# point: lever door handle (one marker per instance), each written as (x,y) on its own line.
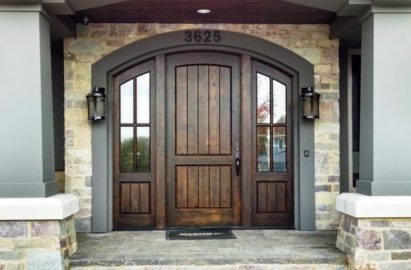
(237,166)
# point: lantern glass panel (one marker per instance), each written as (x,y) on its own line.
(307,108)
(316,109)
(91,107)
(100,109)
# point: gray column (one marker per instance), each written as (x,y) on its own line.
(385,140)
(26,111)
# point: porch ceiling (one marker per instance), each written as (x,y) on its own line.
(222,11)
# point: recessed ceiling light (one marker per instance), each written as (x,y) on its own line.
(203,11)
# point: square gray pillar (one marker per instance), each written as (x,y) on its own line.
(26,112)
(385,132)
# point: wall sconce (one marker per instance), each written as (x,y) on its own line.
(311,103)
(96,103)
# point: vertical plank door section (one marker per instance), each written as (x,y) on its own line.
(202,137)
(272,162)
(134,127)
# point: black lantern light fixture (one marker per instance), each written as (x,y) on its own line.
(310,101)
(96,102)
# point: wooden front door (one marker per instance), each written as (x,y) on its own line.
(177,126)
(203,188)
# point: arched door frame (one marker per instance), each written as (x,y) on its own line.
(301,71)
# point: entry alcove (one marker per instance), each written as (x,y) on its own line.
(233,61)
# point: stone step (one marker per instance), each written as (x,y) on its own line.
(253,249)
(220,267)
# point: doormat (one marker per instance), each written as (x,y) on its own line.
(199,234)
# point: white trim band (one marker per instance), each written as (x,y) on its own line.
(363,206)
(56,207)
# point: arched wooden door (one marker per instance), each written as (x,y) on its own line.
(203,188)
(214,103)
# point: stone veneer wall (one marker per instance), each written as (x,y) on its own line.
(97,40)
(383,244)
(37,244)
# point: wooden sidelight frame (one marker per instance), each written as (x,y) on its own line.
(247,48)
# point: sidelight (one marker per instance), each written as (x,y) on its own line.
(135,125)
(271,121)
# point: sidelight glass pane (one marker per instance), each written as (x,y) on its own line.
(126,102)
(263,149)
(280,102)
(143,98)
(126,149)
(279,149)
(143,149)
(263,99)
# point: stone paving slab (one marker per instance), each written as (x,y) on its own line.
(252,247)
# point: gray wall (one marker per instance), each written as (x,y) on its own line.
(26,113)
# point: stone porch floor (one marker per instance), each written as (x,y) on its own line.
(253,249)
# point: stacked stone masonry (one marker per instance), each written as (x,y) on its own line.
(95,41)
(43,245)
(380,244)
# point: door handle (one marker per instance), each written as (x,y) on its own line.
(237,166)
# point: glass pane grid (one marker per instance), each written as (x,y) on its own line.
(135,125)
(271,127)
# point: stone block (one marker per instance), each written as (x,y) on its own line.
(83,224)
(406,255)
(86,45)
(378,256)
(44,259)
(368,239)
(13,228)
(45,228)
(39,242)
(395,266)
(397,239)
(379,223)
(12,255)
(6,243)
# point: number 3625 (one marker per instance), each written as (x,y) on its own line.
(206,36)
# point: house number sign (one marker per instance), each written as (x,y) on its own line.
(202,36)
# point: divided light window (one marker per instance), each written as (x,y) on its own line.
(135,125)
(271,125)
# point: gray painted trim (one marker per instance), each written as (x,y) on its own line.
(384,188)
(28,190)
(260,49)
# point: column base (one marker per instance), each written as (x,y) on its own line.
(388,188)
(375,231)
(37,232)
(28,190)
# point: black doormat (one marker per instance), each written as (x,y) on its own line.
(213,234)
